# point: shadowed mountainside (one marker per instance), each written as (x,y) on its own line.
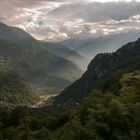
(103,69)
(27,57)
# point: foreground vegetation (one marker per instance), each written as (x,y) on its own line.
(102,116)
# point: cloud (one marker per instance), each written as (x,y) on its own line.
(61,19)
(96,11)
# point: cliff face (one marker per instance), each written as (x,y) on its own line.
(102,69)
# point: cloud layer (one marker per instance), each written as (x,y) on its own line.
(61,19)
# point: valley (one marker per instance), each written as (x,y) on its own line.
(106,94)
(33,62)
(70,70)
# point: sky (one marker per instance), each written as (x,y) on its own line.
(56,20)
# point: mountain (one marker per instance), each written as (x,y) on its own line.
(16,35)
(89,46)
(103,73)
(20,36)
(109,112)
(67,53)
(26,56)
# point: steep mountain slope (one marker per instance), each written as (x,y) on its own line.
(67,53)
(16,35)
(107,116)
(90,46)
(104,69)
(37,66)
(27,56)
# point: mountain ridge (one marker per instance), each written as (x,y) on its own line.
(127,58)
(91,46)
(37,65)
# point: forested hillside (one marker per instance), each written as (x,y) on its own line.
(14,90)
(40,67)
(103,73)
